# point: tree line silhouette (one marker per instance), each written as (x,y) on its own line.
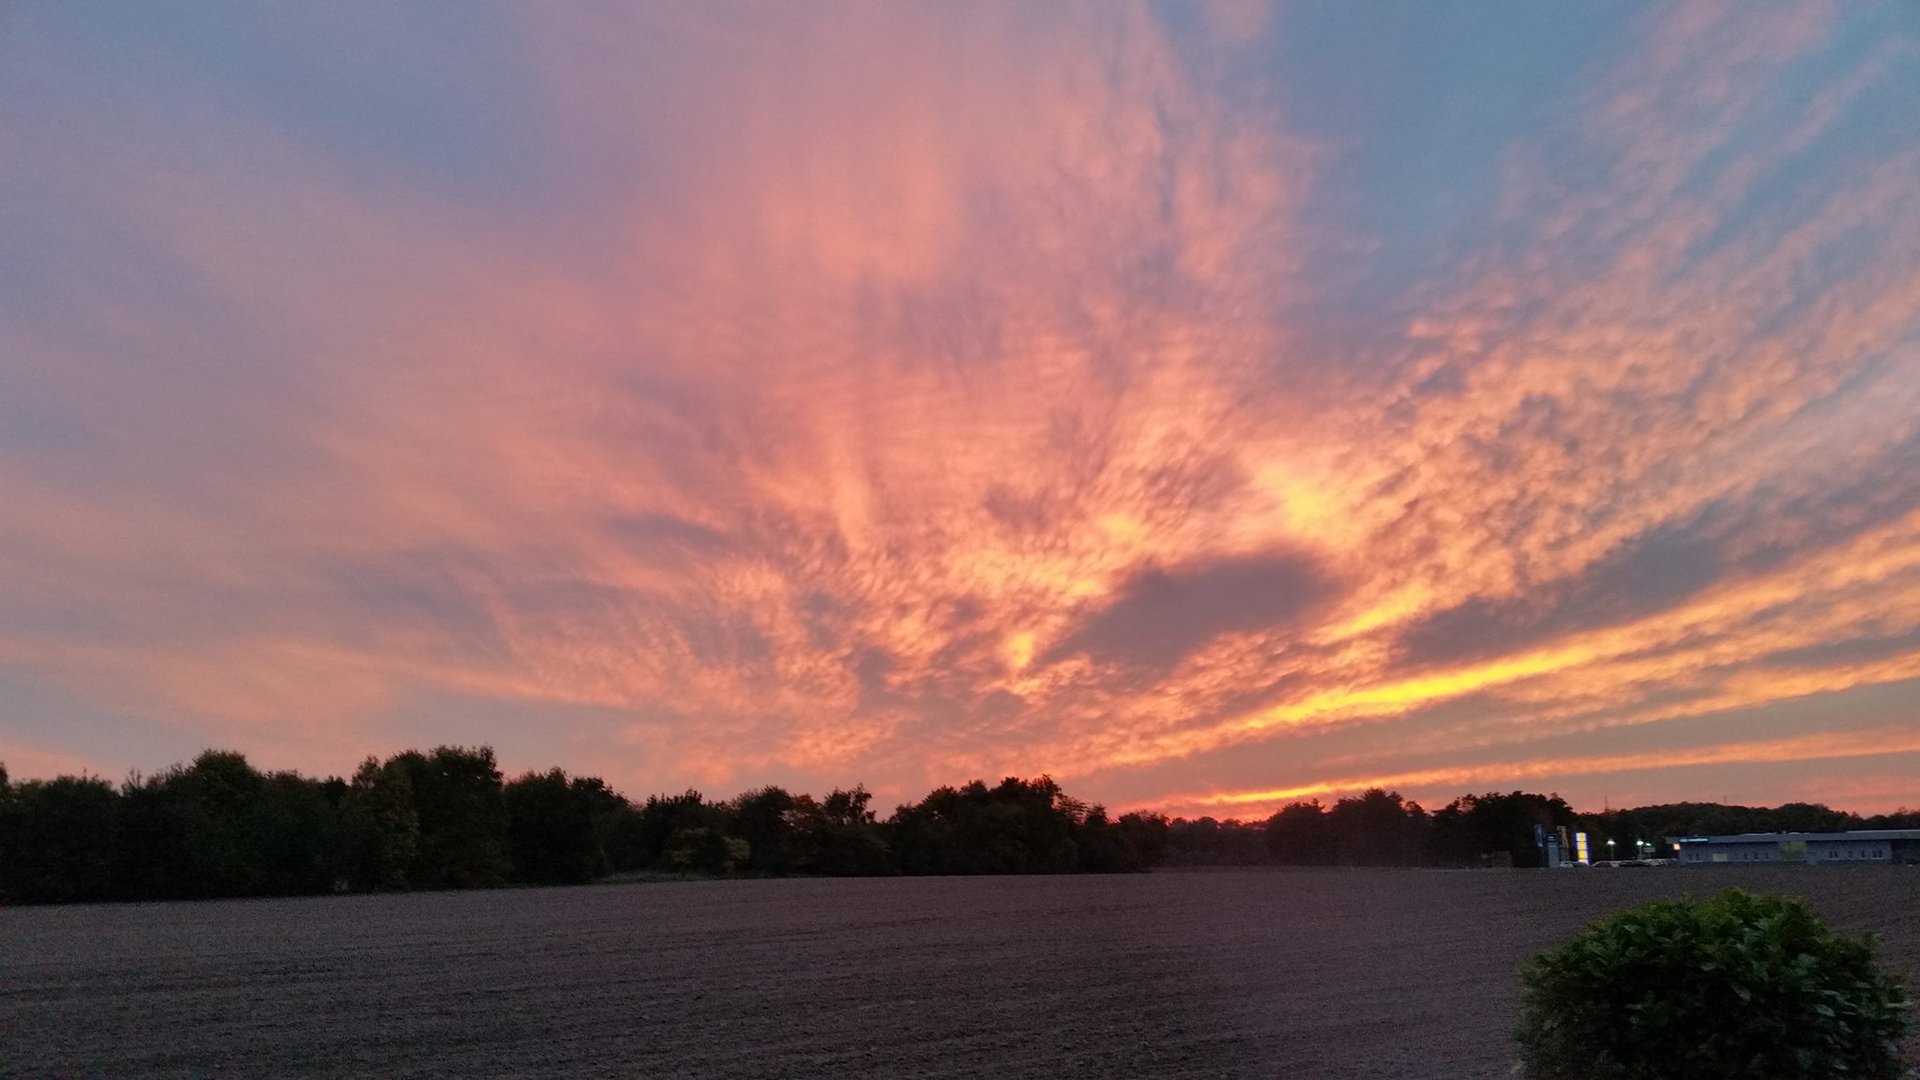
(448,819)
(1380,828)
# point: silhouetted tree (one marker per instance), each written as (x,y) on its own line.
(1206,841)
(1472,829)
(152,858)
(925,837)
(780,829)
(458,798)
(846,840)
(381,829)
(1300,835)
(1899,819)
(293,835)
(610,811)
(1378,828)
(218,795)
(195,831)
(622,835)
(552,835)
(1105,847)
(57,840)
(704,850)
(1146,833)
(664,818)
(1017,827)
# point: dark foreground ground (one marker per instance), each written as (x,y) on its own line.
(1202,974)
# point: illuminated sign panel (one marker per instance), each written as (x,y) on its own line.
(1580,848)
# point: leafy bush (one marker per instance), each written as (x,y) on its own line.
(1740,985)
(706,851)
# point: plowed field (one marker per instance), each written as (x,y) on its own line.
(1200,974)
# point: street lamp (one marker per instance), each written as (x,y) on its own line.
(1610,857)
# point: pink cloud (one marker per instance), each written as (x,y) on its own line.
(895,395)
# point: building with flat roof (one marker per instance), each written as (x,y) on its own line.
(1835,848)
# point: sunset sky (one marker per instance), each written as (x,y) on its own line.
(1209,406)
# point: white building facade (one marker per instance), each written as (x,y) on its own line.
(1831,849)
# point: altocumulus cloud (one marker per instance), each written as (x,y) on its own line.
(751,394)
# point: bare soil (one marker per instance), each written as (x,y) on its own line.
(1196,974)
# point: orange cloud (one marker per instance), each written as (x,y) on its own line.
(893,394)
(1808,748)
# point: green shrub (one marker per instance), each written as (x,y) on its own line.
(1745,986)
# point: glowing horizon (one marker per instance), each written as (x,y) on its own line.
(1198,404)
